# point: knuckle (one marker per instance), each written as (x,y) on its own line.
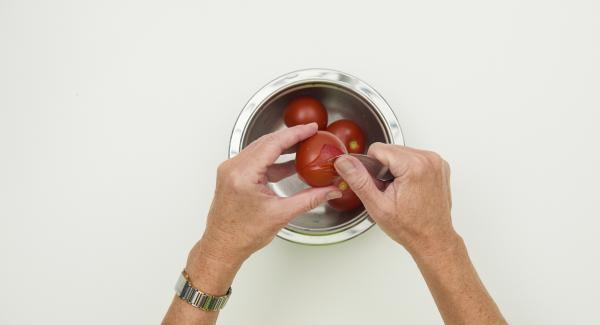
(296,137)
(361,184)
(419,166)
(229,175)
(268,139)
(313,203)
(375,147)
(435,160)
(427,162)
(269,142)
(223,168)
(421,160)
(434,156)
(446,166)
(419,171)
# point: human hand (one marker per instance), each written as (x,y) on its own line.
(414,209)
(245,214)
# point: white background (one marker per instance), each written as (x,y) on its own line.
(115,114)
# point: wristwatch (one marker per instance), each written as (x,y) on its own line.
(197,298)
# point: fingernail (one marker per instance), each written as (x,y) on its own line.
(333,195)
(344,164)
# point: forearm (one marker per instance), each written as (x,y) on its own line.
(456,288)
(209,274)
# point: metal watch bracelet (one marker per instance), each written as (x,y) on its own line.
(197,298)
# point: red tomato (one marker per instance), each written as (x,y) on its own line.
(348,201)
(314,159)
(305,110)
(350,134)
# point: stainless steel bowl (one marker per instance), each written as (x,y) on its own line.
(344,96)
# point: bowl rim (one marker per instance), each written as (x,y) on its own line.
(326,76)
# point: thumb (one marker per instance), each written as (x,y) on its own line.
(359,180)
(307,200)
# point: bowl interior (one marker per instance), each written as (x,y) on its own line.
(340,103)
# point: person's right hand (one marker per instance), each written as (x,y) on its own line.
(414,209)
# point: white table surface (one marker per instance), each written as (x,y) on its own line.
(115,114)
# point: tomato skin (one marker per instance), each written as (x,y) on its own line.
(314,159)
(348,201)
(350,133)
(305,110)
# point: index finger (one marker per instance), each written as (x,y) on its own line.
(269,147)
(395,157)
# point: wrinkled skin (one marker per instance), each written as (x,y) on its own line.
(245,214)
(414,210)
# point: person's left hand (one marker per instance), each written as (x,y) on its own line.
(245,214)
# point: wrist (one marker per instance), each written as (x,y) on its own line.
(223,246)
(428,247)
(208,272)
